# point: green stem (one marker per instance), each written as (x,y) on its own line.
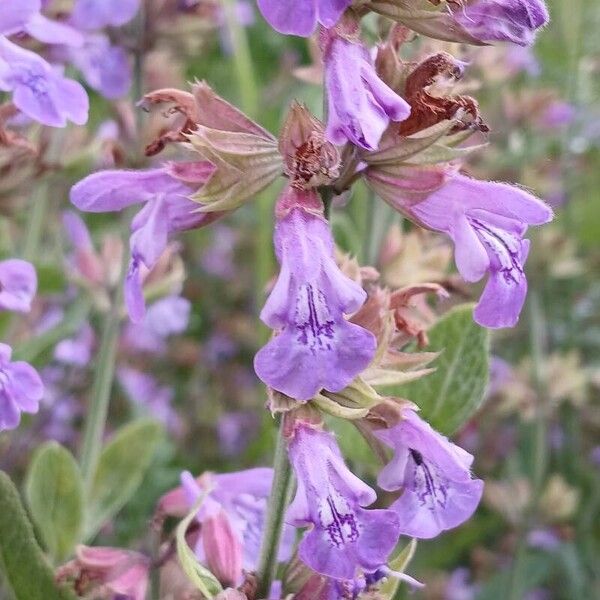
(36,222)
(282,479)
(242,61)
(103,379)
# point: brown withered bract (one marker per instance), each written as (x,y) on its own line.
(309,159)
(181,103)
(427,108)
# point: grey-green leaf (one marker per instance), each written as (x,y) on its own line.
(122,466)
(23,564)
(54,492)
(451,394)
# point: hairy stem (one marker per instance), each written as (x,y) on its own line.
(282,479)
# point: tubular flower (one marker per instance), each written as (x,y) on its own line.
(39,90)
(167,210)
(361,105)
(514,21)
(316,347)
(344,536)
(434,475)
(486,221)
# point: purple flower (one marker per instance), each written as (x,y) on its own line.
(165,317)
(433,474)
(167,210)
(243,496)
(316,347)
(24,16)
(361,105)
(144,391)
(77,350)
(486,221)
(343,536)
(39,90)
(300,17)
(106,68)
(502,20)
(21,389)
(18,284)
(96,14)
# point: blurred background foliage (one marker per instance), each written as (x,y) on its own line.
(536,439)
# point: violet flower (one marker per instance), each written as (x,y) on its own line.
(77,350)
(242,496)
(514,21)
(40,91)
(18,284)
(145,392)
(167,210)
(24,16)
(97,14)
(165,317)
(21,389)
(300,17)
(106,68)
(486,221)
(434,474)
(361,105)
(343,536)
(316,347)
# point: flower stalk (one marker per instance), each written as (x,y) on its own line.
(278,500)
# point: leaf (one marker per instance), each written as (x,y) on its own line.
(121,468)
(54,492)
(198,574)
(450,395)
(21,560)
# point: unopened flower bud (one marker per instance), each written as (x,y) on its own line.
(222,548)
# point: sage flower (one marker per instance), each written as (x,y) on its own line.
(316,347)
(300,17)
(343,535)
(21,389)
(434,475)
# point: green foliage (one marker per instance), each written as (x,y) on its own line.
(54,492)
(123,463)
(450,395)
(21,560)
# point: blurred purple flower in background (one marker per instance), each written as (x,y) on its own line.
(76,351)
(21,389)
(18,284)
(434,474)
(145,392)
(165,317)
(96,14)
(343,535)
(39,90)
(106,67)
